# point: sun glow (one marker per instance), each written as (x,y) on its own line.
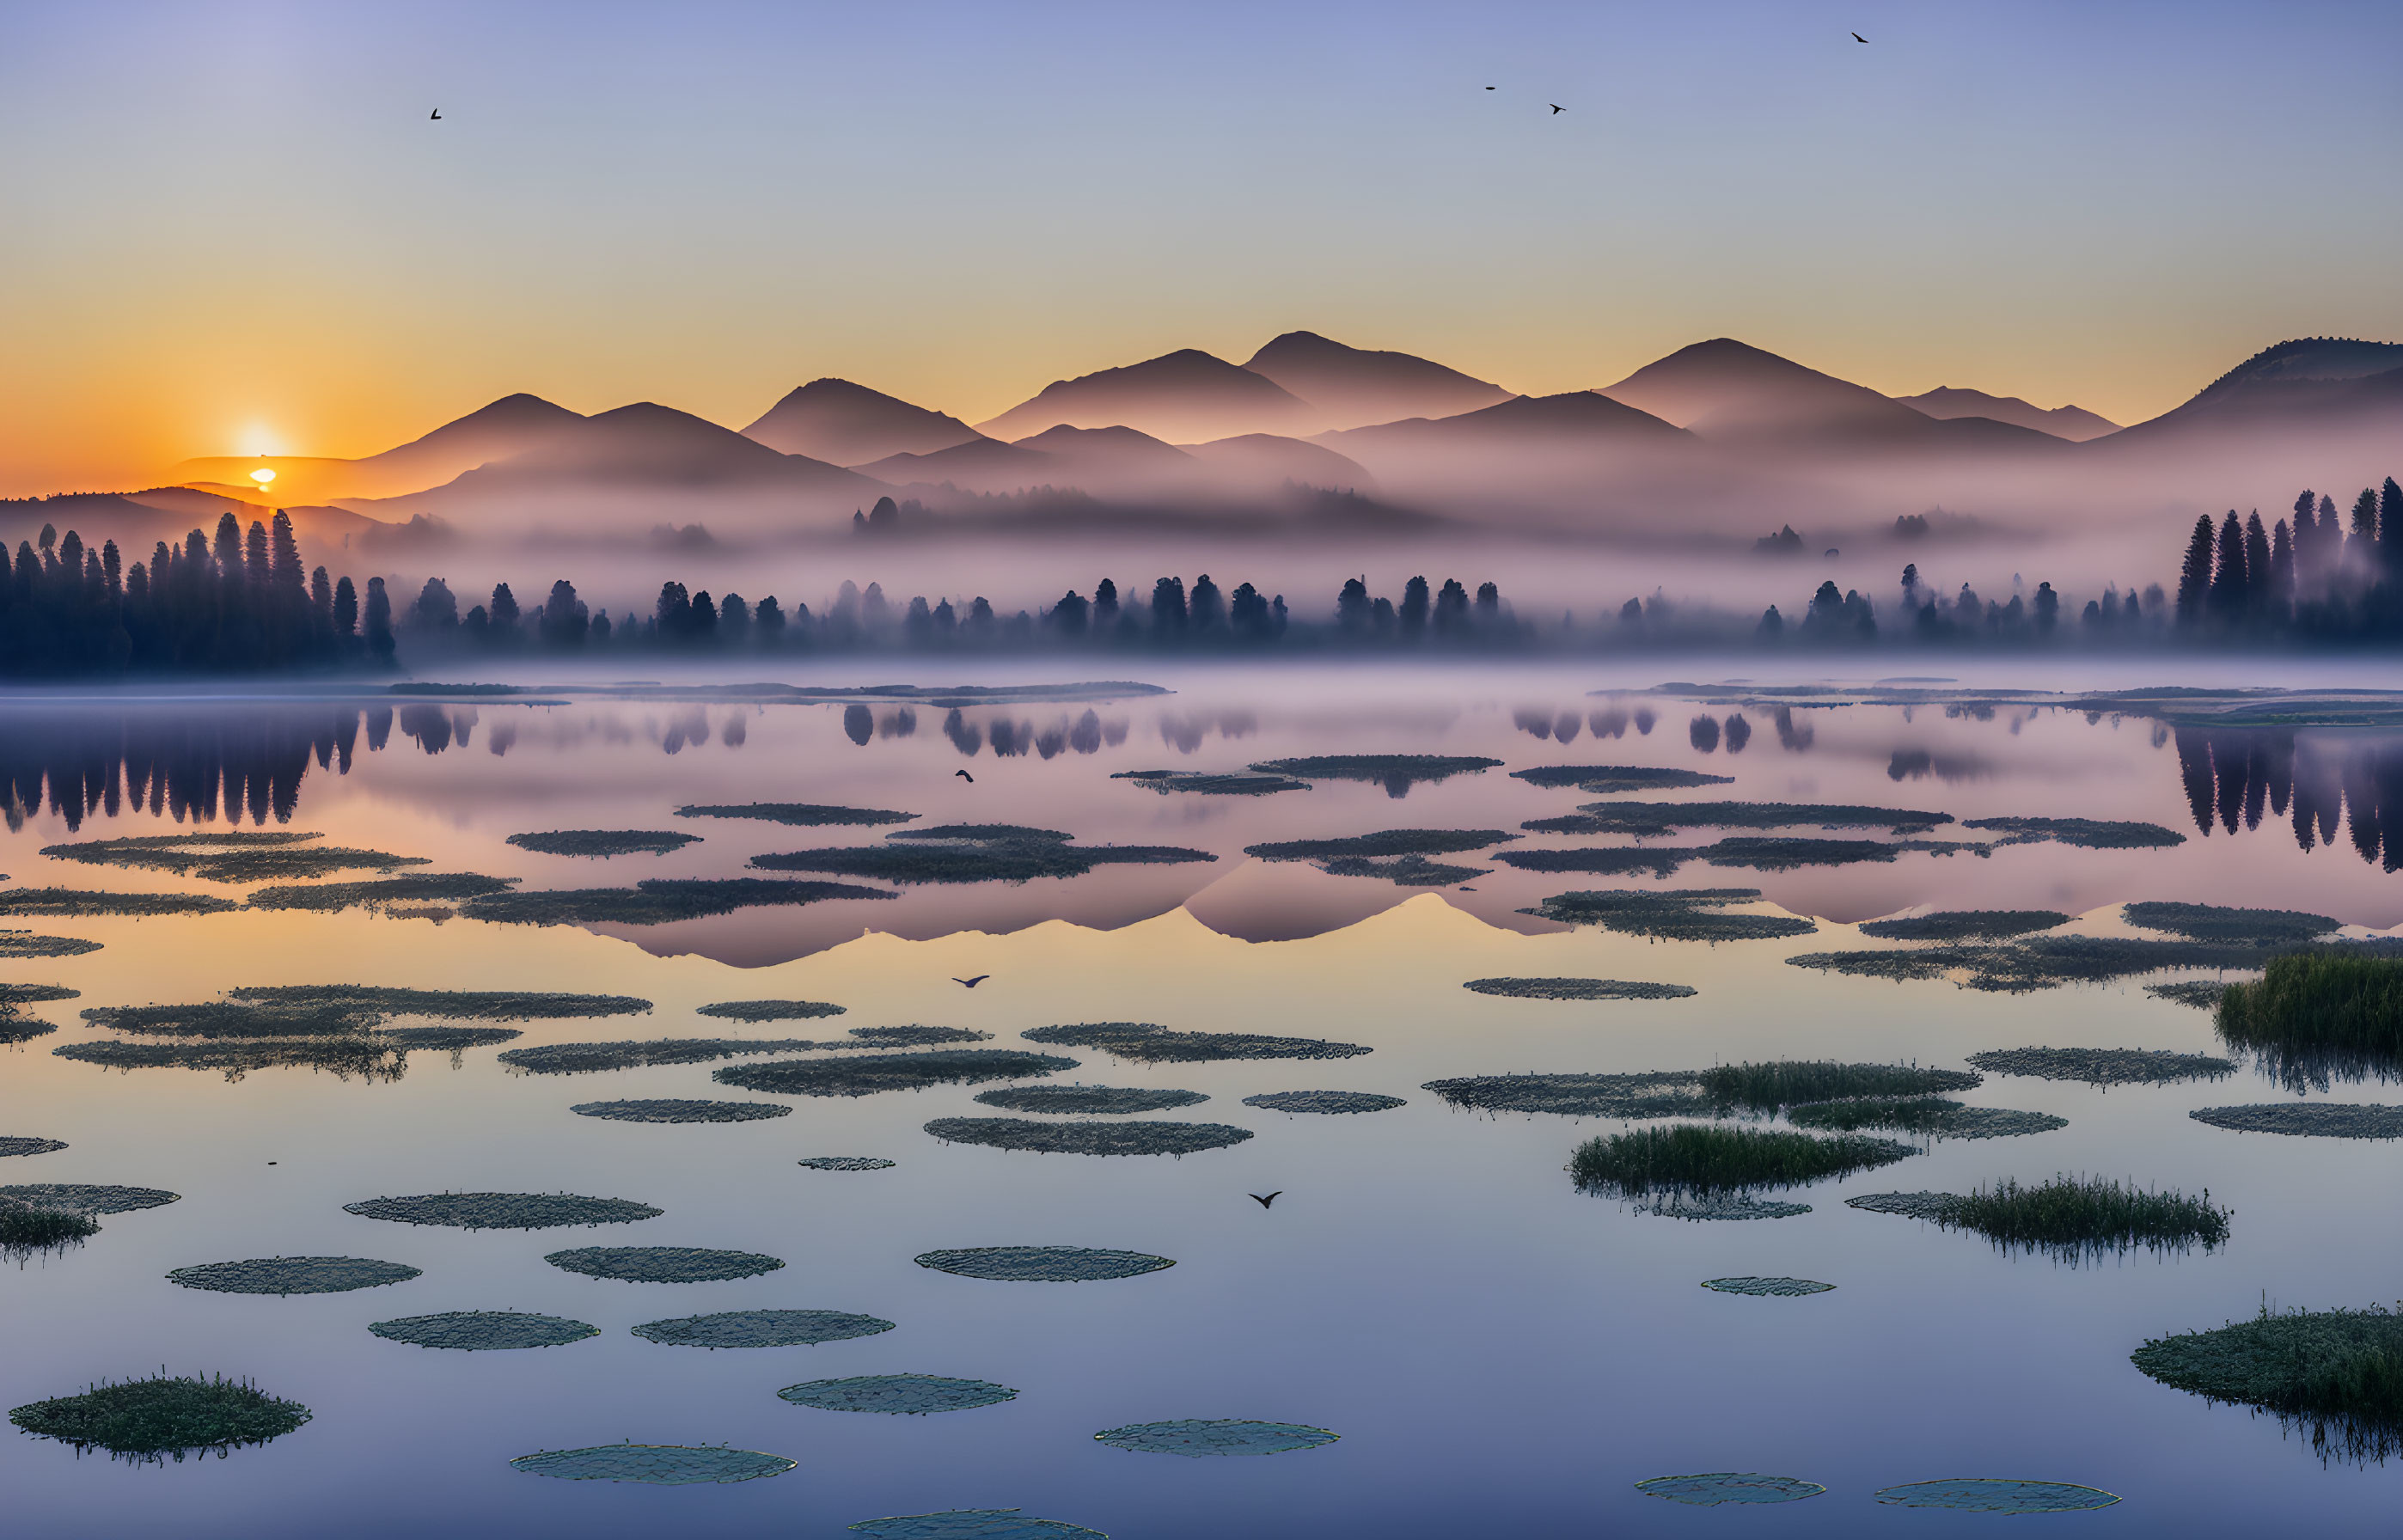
(262,476)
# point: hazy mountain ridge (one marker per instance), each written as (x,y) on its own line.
(843,424)
(2072,423)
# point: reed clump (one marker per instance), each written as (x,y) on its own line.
(2317,1016)
(2334,1375)
(1703,1158)
(1766,1086)
(2086,1216)
(145,1419)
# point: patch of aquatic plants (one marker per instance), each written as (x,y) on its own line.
(1199,1438)
(910,1036)
(1578,989)
(798,814)
(761,1328)
(2105,1066)
(1410,871)
(1383,843)
(2240,926)
(770,1010)
(1661,861)
(21,1029)
(87,904)
(230,858)
(870,1075)
(680,1110)
(1777,854)
(590,1058)
(1606,779)
(1678,914)
(654,1465)
(1777,1288)
(17,945)
(2041,963)
(974,853)
(2089,833)
(2336,1375)
(656,900)
(1766,1086)
(455,1004)
(35,994)
(1396,772)
(1716,1206)
(450,1038)
(19,1144)
(1703,1158)
(604,842)
(1042,1264)
(1089,1099)
(87,1197)
(2203,993)
(1646,820)
(1327,1101)
(1069,1138)
(1713,1488)
(372,1057)
(2074,1218)
(25,1228)
(172,1416)
(897,1395)
(228,1019)
(379,892)
(1998,1494)
(2311,1120)
(846,1162)
(971,1524)
(1936,1207)
(484,1331)
(2315,1016)
(1931,1116)
(1212,783)
(662,1263)
(1150,1043)
(1653,1094)
(1964,926)
(510,1211)
(293,1275)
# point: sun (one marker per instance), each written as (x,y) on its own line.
(262,476)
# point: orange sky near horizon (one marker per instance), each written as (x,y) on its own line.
(234,228)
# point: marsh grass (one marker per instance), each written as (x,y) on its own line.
(16,945)
(1211,783)
(372,1057)
(1654,1093)
(868,1075)
(1703,1159)
(1410,871)
(798,814)
(590,1058)
(663,1264)
(769,1010)
(2307,1119)
(1383,843)
(1661,861)
(86,1198)
(233,856)
(1603,779)
(169,1416)
(2240,926)
(2088,833)
(655,901)
(676,1110)
(1646,820)
(2105,1066)
(1155,1045)
(24,1229)
(376,892)
(2038,963)
(1763,853)
(1073,1100)
(468,1004)
(1202,1437)
(35,995)
(1680,914)
(762,1329)
(1072,1138)
(1396,772)
(604,842)
(233,1019)
(2335,1376)
(1578,989)
(87,904)
(2203,993)
(1933,1116)
(654,1464)
(2317,1017)
(2085,1217)
(1766,1086)
(1965,925)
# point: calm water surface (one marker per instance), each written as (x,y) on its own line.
(1499,1353)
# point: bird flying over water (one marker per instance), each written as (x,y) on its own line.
(1858,38)
(972,983)
(1264,1203)
(1556,107)
(437,115)
(965,776)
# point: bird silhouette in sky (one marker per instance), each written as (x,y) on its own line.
(1556,107)
(1264,1203)
(965,776)
(972,983)
(1858,38)
(1489,88)
(437,115)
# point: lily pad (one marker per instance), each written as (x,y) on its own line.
(672,1110)
(1083,1099)
(293,1275)
(483,1331)
(654,1465)
(899,1394)
(1653,1094)
(663,1264)
(604,842)
(1715,1206)
(2314,1119)
(1938,1207)
(1719,1487)
(761,1328)
(1766,1287)
(1197,1439)
(1042,1264)
(798,814)
(1578,989)
(971,1524)
(871,1073)
(590,1058)
(770,1010)
(512,1211)
(1987,1494)
(845,1162)
(15,1145)
(1019,1133)
(1148,1042)
(85,1199)
(1325,1101)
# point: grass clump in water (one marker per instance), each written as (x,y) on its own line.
(1652,1093)
(2105,1066)
(1786,1082)
(1605,779)
(85,904)
(769,1010)
(1396,772)
(656,900)
(846,1162)
(170,1416)
(2335,1375)
(590,1058)
(870,1075)
(674,1110)
(1703,1159)
(1383,843)
(2203,993)
(17,945)
(1679,914)
(604,842)
(1410,871)
(1325,1101)
(2089,833)
(1646,820)
(1211,783)
(17,1145)
(1150,1043)
(1089,1099)
(460,1004)
(1931,1116)
(373,1058)
(2317,1016)
(2079,1217)
(2310,1119)
(377,893)
(234,856)
(2243,927)
(1965,925)
(1069,1138)
(87,1197)
(25,1228)
(798,814)
(1578,989)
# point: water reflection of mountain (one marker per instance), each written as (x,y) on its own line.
(2237,777)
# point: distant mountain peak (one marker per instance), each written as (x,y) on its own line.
(2313,358)
(1183,397)
(1355,387)
(845,424)
(1947,402)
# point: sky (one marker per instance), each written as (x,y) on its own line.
(233,228)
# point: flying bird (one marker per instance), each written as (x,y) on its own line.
(965,776)
(437,115)
(1858,38)
(1556,107)
(972,983)
(1489,88)
(1264,1203)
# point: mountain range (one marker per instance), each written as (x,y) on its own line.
(1708,438)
